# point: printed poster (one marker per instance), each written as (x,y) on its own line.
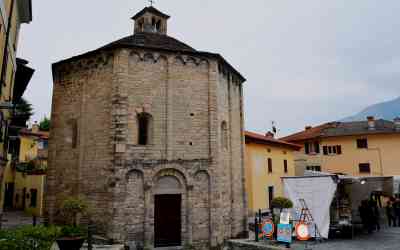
(284,233)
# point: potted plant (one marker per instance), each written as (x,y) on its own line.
(279,203)
(72,236)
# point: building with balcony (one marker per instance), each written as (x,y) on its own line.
(25,174)
(361,148)
(14,72)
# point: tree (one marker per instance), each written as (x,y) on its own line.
(44,124)
(23,113)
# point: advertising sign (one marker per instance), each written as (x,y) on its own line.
(302,232)
(284,233)
(268,229)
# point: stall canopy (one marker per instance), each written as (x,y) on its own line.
(318,193)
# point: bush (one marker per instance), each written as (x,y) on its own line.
(71,208)
(73,231)
(28,238)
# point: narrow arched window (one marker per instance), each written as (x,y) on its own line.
(141,28)
(158,25)
(153,24)
(144,120)
(224,135)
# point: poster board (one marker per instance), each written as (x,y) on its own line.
(284,233)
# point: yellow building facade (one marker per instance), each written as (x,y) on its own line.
(364,148)
(24,179)
(14,72)
(266,161)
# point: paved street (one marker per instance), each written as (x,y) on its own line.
(13,219)
(387,239)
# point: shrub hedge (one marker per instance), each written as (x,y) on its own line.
(28,238)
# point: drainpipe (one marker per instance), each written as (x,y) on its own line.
(380,158)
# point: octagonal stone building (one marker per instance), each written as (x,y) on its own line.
(150,131)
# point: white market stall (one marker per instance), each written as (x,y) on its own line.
(318,193)
(333,200)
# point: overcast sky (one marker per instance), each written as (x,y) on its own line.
(306,62)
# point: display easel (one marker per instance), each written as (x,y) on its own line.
(306,217)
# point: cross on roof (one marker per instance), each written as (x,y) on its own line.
(151,2)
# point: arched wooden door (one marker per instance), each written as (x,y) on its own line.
(168,212)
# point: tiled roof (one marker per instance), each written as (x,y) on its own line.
(29,132)
(313,132)
(150,9)
(334,129)
(152,41)
(262,139)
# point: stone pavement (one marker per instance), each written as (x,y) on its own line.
(386,239)
(14,219)
(106,247)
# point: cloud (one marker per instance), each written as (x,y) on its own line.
(306,62)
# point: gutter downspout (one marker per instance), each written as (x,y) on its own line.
(380,158)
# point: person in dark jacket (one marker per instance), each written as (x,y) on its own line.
(396,206)
(363,210)
(375,215)
(390,214)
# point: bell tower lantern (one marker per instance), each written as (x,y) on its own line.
(151,20)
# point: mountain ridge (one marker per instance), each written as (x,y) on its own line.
(385,110)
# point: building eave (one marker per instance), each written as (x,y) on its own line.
(25,10)
(218,57)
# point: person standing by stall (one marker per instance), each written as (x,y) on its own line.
(396,206)
(365,215)
(375,215)
(390,214)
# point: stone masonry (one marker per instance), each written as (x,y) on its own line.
(194,104)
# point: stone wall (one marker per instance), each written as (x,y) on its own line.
(79,145)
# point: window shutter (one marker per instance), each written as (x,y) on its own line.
(285,166)
(325,149)
(269,165)
(307,148)
(316,147)
(339,149)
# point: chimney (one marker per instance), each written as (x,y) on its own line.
(270,134)
(308,128)
(397,123)
(35,127)
(371,122)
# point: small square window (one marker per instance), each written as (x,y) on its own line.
(364,168)
(314,168)
(362,143)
